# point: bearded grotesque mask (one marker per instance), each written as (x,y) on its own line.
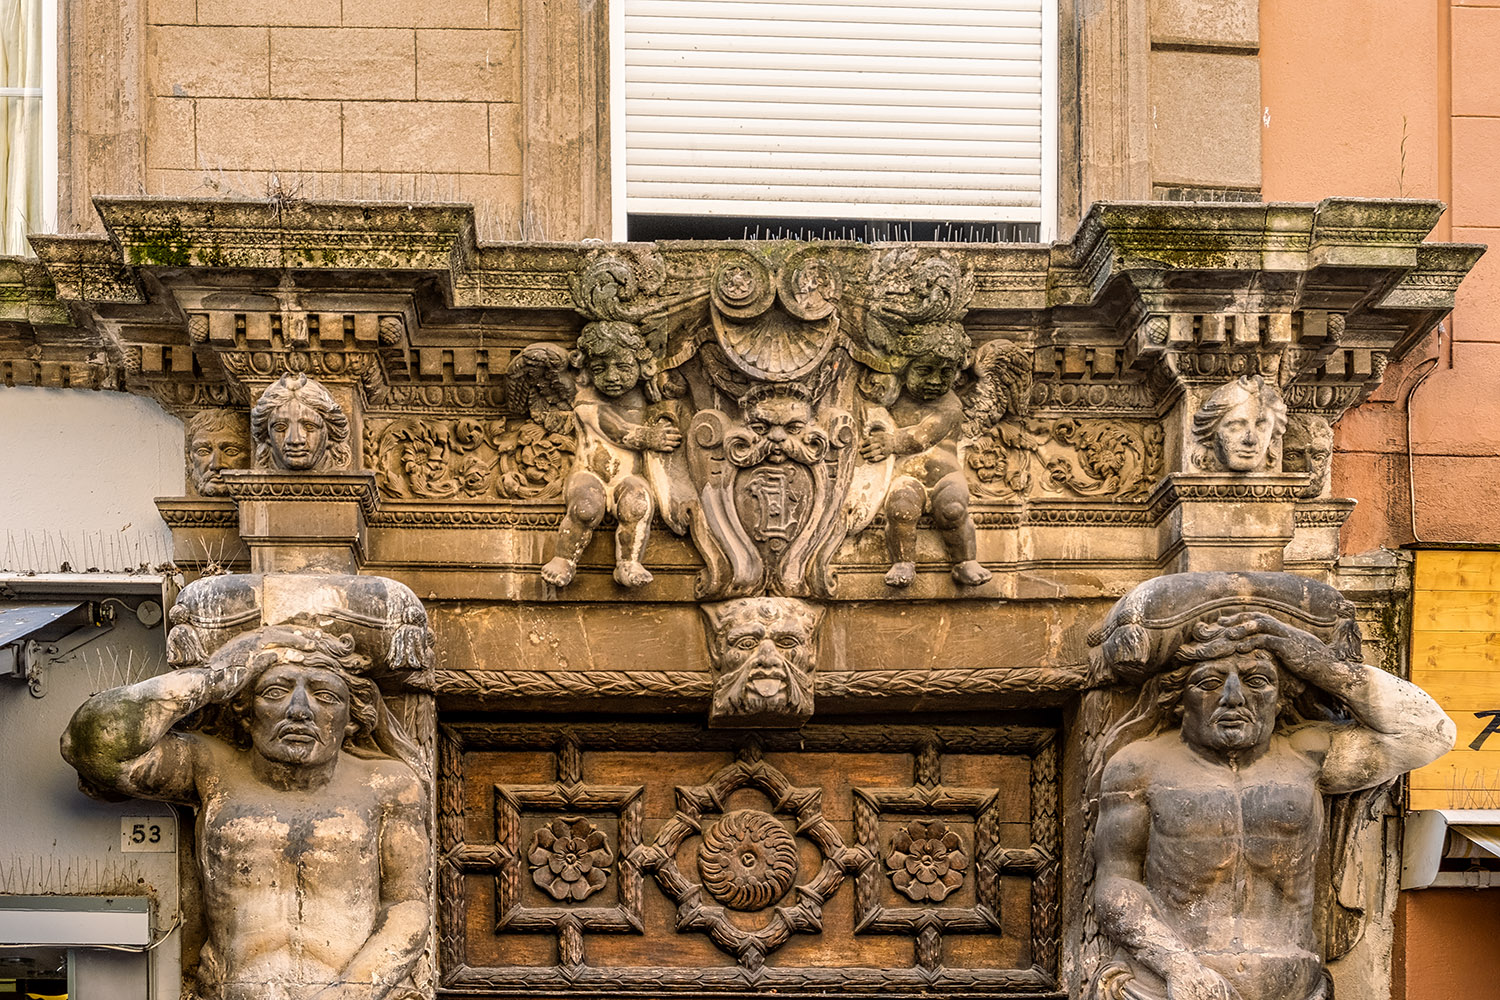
(763,651)
(779,427)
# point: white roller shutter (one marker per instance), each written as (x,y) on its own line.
(836,108)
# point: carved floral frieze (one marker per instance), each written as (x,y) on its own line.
(431,458)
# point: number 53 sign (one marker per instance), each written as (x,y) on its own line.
(148,834)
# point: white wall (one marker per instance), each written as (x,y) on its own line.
(56,840)
(78,473)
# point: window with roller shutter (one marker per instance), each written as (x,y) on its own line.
(837,110)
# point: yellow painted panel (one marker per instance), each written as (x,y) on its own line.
(1457,571)
(1455,611)
(1445,652)
(1462,691)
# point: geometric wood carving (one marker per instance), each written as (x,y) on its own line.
(727,909)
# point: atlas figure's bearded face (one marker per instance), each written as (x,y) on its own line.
(764,650)
(300,714)
(1230,704)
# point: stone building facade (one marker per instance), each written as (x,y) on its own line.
(711,618)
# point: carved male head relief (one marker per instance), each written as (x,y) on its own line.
(1239,427)
(1308,448)
(217,440)
(782,427)
(763,651)
(299,427)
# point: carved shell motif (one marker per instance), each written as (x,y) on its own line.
(748,860)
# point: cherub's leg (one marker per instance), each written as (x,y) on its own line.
(950,515)
(633,509)
(584,495)
(903,505)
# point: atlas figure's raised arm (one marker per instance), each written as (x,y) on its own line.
(122,738)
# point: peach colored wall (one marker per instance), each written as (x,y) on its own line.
(1403,102)
(1449,944)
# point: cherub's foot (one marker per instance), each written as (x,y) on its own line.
(970,573)
(632,574)
(559,571)
(901,574)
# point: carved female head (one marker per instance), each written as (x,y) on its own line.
(299,427)
(1239,427)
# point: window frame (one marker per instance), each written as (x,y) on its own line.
(1050,208)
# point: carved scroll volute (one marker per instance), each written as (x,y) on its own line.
(283,723)
(1235,678)
(764,655)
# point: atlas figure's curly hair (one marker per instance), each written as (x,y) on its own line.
(310,393)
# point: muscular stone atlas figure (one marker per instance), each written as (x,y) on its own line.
(312,835)
(1209,833)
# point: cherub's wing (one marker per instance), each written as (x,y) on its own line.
(1004,389)
(538,381)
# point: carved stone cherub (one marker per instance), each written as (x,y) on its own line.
(1211,811)
(763,651)
(217,440)
(615,431)
(312,844)
(928,419)
(299,427)
(1239,427)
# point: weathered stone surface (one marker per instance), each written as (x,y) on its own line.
(313,841)
(1237,673)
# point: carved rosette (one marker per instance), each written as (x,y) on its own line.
(570,859)
(748,860)
(927,861)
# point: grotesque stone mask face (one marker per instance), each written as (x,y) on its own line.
(763,660)
(1243,437)
(782,421)
(298,435)
(215,449)
(1230,704)
(299,713)
(614,373)
(929,377)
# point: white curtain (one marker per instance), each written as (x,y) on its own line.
(20,122)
